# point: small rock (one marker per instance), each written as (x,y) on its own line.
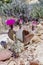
(22,62)
(5,54)
(3,43)
(34,63)
(12,63)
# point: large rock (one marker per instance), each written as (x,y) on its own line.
(5,54)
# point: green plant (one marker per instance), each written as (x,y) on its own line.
(5,1)
(37,11)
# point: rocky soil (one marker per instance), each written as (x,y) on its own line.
(31,54)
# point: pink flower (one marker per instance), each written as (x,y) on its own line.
(21,21)
(34,23)
(10,22)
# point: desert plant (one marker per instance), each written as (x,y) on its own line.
(37,11)
(5,1)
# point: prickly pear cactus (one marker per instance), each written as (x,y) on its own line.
(18,47)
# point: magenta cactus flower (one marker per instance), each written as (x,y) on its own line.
(10,22)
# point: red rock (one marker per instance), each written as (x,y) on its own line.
(34,63)
(5,54)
